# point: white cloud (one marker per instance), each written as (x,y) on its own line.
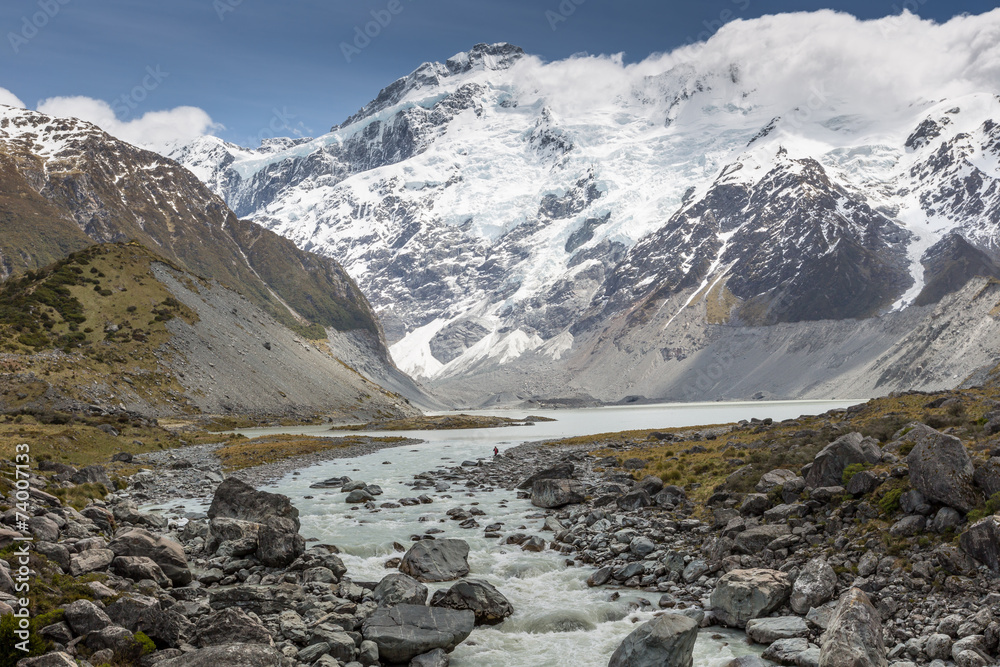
(791,60)
(9,98)
(155,130)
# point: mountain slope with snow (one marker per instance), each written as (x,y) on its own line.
(510,218)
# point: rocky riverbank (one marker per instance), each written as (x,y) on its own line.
(874,552)
(793,559)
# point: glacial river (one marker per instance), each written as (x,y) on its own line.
(558,621)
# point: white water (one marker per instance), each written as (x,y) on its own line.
(558,620)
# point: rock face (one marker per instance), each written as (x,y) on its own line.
(406,631)
(981,540)
(742,595)
(482,598)
(166,553)
(828,466)
(940,469)
(987,477)
(854,636)
(230,655)
(398,588)
(436,560)
(231,626)
(561,471)
(235,499)
(552,493)
(815,585)
(666,641)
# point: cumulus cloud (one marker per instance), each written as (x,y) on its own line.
(9,98)
(789,60)
(156,130)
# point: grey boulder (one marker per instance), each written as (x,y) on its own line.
(828,466)
(665,641)
(230,655)
(406,631)
(940,468)
(815,585)
(166,553)
(742,595)
(236,499)
(231,626)
(768,630)
(552,493)
(981,540)
(398,588)
(483,599)
(854,636)
(436,560)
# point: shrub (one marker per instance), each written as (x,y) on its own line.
(890,501)
(991,507)
(9,653)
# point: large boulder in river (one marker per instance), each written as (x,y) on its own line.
(552,493)
(742,595)
(665,641)
(815,585)
(483,599)
(561,471)
(406,631)
(436,560)
(981,540)
(854,636)
(398,588)
(235,499)
(166,553)
(230,655)
(940,469)
(828,466)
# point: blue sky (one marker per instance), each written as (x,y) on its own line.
(256,65)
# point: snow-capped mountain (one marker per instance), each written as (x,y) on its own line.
(516,224)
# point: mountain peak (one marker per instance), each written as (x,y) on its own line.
(481,57)
(496,57)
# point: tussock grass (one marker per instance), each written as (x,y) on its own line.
(245,453)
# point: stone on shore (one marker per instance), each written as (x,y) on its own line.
(665,641)
(815,585)
(742,595)
(981,540)
(940,469)
(854,636)
(828,466)
(235,499)
(230,655)
(166,553)
(768,630)
(553,493)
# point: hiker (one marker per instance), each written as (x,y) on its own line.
(496,452)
